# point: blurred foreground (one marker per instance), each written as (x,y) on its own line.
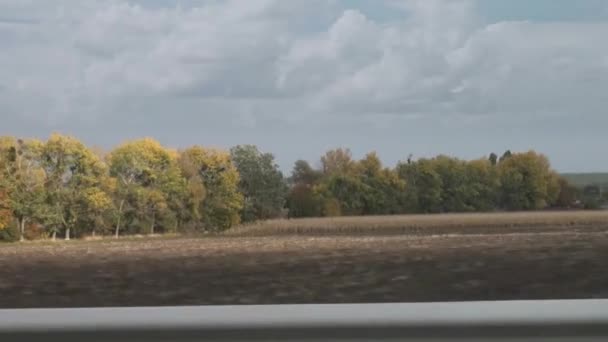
(557,264)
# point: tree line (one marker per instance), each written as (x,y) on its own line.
(343,186)
(62,187)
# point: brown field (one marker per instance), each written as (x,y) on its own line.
(372,259)
(474,223)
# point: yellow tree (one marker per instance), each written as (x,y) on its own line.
(21,180)
(214,179)
(5,210)
(72,170)
(337,161)
(146,173)
(527,181)
(98,204)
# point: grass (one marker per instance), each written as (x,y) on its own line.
(429,224)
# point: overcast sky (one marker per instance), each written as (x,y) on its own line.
(298,77)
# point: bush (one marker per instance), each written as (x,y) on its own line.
(591,204)
(9,234)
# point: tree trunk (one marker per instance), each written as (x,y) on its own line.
(153,223)
(117,231)
(22,229)
(54,235)
(67,234)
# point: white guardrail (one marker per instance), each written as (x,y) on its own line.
(562,320)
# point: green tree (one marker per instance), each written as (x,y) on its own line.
(455,185)
(348,190)
(301,200)
(424,186)
(262,183)
(383,190)
(303,173)
(568,194)
(505,156)
(493,159)
(483,186)
(408,173)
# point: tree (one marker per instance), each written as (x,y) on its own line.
(493,159)
(22,180)
(424,185)
(337,161)
(482,189)
(190,207)
(301,200)
(408,173)
(152,204)
(262,183)
(98,206)
(5,210)
(383,190)
(303,173)
(592,196)
(213,184)
(73,171)
(143,169)
(568,194)
(341,195)
(527,182)
(455,184)
(364,187)
(506,156)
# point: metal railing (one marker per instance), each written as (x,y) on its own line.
(562,320)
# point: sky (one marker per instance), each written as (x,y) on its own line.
(399,77)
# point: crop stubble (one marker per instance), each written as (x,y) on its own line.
(446,258)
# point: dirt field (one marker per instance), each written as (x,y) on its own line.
(467,223)
(483,264)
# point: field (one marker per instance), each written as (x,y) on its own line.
(371,259)
(584,179)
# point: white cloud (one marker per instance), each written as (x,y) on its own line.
(64,59)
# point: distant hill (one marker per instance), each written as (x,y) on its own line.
(584,179)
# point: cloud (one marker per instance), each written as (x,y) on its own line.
(291,60)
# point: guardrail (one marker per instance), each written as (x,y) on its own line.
(565,320)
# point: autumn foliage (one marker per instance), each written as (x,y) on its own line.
(63,188)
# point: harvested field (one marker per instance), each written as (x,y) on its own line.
(470,223)
(516,262)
